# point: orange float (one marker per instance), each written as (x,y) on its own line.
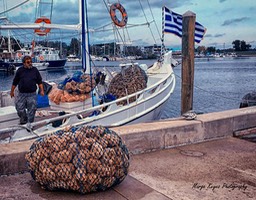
(113,8)
(41,58)
(43,31)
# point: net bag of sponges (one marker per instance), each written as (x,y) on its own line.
(130,80)
(83,159)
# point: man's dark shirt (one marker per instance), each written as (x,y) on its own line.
(26,79)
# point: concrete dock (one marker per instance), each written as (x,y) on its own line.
(170,159)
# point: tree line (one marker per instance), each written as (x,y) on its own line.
(110,49)
(238,45)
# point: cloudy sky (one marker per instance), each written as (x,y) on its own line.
(225,20)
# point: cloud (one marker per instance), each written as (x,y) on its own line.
(22,18)
(67,12)
(234,21)
(213,44)
(140,42)
(208,36)
(214,36)
(171,5)
(219,35)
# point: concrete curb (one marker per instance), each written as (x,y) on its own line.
(146,137)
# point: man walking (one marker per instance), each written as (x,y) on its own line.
(27,78)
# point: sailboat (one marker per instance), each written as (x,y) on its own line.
(156,84)
(44,57)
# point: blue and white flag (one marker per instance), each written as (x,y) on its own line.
(173,24)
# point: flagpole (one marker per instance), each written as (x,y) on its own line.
(173,24)
(162,39)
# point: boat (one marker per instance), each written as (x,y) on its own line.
(48,55)
(8,58)
(73,58)
(42,57)
(11,63)
(6,67)
(41,66)
(40,54)
(97,103)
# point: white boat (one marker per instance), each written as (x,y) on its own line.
(41,66)
(48,55)
(42,57)
(140,106)
(73,58)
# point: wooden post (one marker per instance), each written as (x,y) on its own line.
(188,46)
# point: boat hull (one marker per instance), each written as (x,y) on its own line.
(17,64)
(6,66)
(142,111)
(55,64)
(142,106)
(145,109)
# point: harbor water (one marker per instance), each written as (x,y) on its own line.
(219,84)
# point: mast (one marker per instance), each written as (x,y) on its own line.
(85,37)
(86,64)
(9,41)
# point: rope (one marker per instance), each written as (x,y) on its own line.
(214,94)
(14,7)
(114,28)
(147,22)
(154,20)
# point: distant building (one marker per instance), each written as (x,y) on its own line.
(152,50)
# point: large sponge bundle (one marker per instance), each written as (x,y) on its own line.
(130,80)
(83,159)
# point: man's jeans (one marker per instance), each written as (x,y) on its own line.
(26,106)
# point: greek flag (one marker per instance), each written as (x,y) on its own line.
(173,24)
